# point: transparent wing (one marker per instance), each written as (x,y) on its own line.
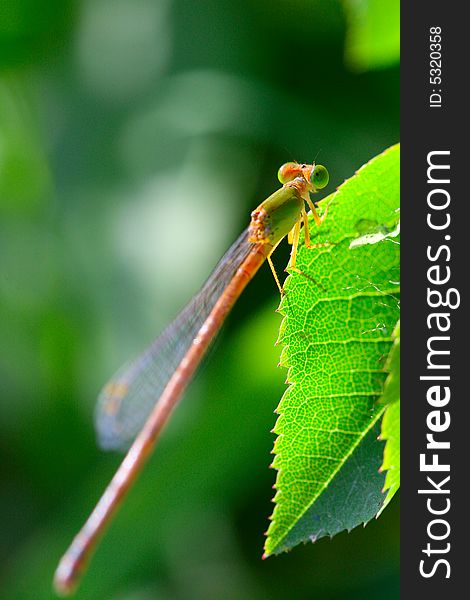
(128,398)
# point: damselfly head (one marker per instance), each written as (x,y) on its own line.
(315,175)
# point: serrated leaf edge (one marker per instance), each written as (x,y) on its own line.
(277,496)
(390,488)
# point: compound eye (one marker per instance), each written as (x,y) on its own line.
(319,177)
(288,172)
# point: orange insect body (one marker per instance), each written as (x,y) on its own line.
(170,362)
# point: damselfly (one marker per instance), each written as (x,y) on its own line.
(138,401)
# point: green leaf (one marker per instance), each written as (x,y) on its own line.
(339,311)
(373,37)
(391,421)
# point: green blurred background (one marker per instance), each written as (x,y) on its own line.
(135,138)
